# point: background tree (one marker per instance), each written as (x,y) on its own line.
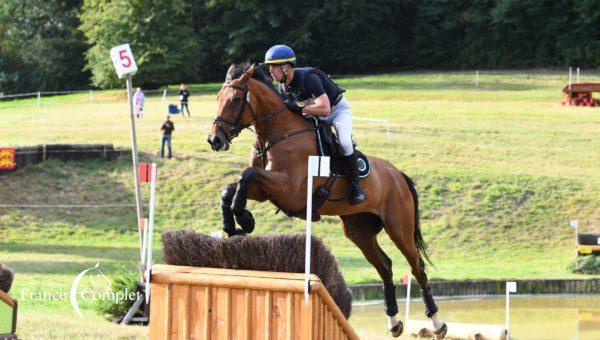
(195,40)
(159,32)
(40,46)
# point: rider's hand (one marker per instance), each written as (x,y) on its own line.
(294,107)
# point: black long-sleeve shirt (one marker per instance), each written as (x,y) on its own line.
(167,128)
(183,95)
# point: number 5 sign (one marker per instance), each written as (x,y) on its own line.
(123,60)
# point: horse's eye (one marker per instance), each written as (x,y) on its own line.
(237,99)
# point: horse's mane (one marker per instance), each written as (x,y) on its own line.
(259,74)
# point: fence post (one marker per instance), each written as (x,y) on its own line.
(38,98)
(164,98)
(477,78)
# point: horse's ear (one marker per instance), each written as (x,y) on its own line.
(248,74)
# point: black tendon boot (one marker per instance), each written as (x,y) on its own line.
(357,195)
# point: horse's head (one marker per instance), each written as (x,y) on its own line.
(234,111)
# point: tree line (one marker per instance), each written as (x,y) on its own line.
(64,44)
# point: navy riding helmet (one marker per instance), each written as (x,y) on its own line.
(280,54)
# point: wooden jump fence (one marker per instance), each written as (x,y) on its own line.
(209,303)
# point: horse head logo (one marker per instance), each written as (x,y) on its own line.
(93,283)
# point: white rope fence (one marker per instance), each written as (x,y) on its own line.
(110,205)
(385,122)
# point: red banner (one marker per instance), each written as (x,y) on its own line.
(8,160)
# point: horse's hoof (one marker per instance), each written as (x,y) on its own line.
(245,220)
(235,232)
(441,333)
(396,331)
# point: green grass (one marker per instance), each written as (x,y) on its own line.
(501,169)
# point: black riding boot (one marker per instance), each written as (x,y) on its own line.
(357,195)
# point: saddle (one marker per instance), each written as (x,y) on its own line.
(328,145)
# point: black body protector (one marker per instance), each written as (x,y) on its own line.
(308,84)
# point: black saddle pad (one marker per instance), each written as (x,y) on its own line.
(325,148)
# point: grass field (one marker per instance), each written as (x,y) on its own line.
(500,168)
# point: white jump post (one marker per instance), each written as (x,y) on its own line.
(578,75)
(385,121)
(147,173)
(317,166)
(90,97)
(575,224)
(477,78)
(39,98)
(144,231)
(125,65)
(150,230)
(164,97)
(408,282)
(570,76)
(511,287)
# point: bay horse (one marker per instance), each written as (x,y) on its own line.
(278,173)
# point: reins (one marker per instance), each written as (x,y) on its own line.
(237,127)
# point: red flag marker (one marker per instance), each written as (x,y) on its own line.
(142,223)
(145,172)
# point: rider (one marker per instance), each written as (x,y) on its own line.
(303,84)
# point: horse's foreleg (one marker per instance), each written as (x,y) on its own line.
(242,216)
(259,185)
(227,213)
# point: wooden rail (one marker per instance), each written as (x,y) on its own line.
(8,316)
(210,303)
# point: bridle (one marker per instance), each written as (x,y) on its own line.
(237,126)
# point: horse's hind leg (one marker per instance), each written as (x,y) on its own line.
(399,224)
(362,229)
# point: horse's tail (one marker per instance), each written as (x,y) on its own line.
(421,246)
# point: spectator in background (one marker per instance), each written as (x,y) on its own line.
(183,98)
(138,101)
(167,128)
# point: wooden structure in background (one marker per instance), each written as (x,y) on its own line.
(588,244)
(210,303)
(581,94)
(8,316)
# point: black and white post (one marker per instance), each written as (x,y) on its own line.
(511,287)
(317,166)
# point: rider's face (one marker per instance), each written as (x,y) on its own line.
(276,72)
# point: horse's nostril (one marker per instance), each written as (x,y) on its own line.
(216,143)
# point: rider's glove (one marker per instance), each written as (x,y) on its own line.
(294,107)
